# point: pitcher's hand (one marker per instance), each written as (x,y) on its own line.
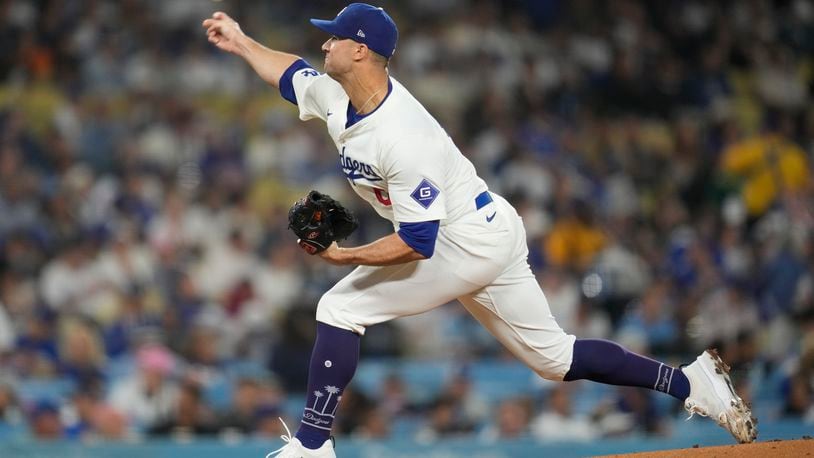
(224,32)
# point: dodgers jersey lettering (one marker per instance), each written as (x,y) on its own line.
(397,158)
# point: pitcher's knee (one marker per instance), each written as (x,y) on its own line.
(553,360)
(333,312)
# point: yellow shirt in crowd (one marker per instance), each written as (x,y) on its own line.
(769,165)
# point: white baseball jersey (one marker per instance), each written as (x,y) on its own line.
(398,158)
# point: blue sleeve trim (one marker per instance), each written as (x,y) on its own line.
(420,236)
(286,83)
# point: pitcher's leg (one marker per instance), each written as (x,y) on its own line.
(367,296)
(371,295)
(516,312)
(608,362)
(333,363)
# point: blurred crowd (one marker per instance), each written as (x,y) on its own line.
(660,154)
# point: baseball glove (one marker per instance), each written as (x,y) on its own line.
(318,220)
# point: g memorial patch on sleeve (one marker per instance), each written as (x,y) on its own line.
(425,193)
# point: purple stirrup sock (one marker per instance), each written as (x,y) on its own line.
(333,362)
(608,362)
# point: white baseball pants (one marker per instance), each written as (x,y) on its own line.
(481,263)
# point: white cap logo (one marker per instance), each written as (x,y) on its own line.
(360,33)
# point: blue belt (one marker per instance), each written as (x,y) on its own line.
(483,200)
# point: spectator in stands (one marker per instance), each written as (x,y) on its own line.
(44,422)
(10,414)
(278,281)
(575,239)
(19,299)
(394,397)
(204,348)
(189,416)
(35,352)
(109,424)
(126,263)
(511,421)
(82,407)
(471,408)
(82,354)
(93,420)
(243,411)
(22,254)
(771,165)
(730,301)
(148,395)
(376,425)
(18,188)
(442,422)
(631,410)
(651,319)
(140,313)
(70,281)
(559,423)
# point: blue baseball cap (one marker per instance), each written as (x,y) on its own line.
(364,24)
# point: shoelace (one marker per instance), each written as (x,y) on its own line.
(285,437)
(693,409)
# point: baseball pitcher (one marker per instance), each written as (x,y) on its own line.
(452,237)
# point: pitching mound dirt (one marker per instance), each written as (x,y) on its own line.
(772,449)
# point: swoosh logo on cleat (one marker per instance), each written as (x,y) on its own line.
(491,217)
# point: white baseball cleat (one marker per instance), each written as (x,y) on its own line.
(712,395)
(294,448)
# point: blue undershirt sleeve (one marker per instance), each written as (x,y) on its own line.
(420,236)
(286,85)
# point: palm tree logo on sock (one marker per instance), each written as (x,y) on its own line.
(332,390)
(315,417)
(323,418)
(317,395)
